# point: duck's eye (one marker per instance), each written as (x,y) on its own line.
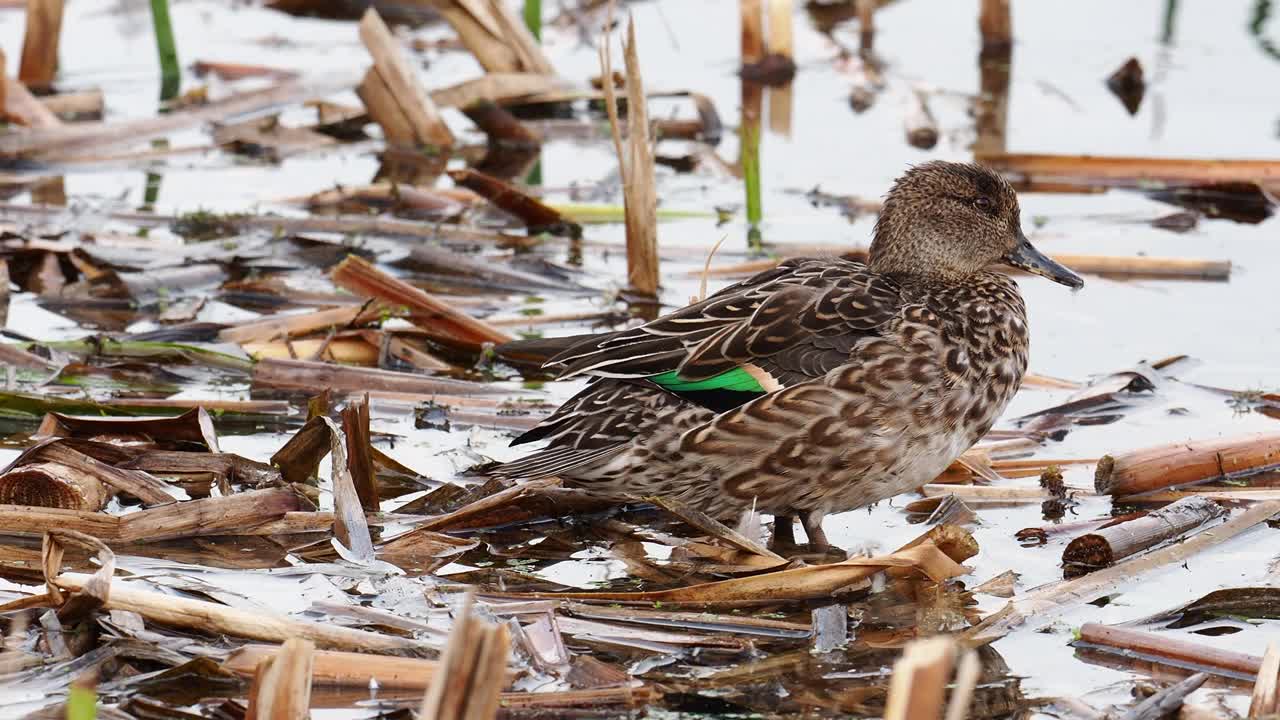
(983,203)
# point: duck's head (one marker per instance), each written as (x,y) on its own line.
(948,221)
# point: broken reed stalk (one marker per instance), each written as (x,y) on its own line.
(537,216)
(425,310)
(272,327)
(636,166)
(1265,701)
(308,376)
(205,616)
(234,514)
(355,429)
(920,679)
(1103,547)
(170,72)
(495,36)
(996,25)
(1188,463)
(392,93)
(281,687)
(39,62)
(1162,647)
(472,669)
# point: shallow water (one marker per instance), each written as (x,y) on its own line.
(1211,94)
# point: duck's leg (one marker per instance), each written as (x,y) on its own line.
(812,522)
(817,551)
(784,533)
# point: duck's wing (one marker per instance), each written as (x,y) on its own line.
(794,322)
(786,326)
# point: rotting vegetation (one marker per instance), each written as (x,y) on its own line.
(236,435)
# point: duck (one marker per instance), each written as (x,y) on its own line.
(816,387)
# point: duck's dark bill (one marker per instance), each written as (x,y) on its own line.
(1028,258)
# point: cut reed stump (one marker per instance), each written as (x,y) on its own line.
(391,91)
(996,25)
(866,24)
(472,670)
(1191,463)
(1103,547)
(635,163)
(281,688)
(919,123)
(1266,690)
(921,676)
(920,679)
(40,44)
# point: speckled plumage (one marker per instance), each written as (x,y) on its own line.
(874,377)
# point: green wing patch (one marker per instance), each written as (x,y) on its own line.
(736,379)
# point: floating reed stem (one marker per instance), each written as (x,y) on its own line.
(1103,547)
(1161,267)
(1129,171)
(205,616)
(343,669)
(1189,463)
(635,162)
(1173,651)
(425,310)
(166,47)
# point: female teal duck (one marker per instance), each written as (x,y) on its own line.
(819,386)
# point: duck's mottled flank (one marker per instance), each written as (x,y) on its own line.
(882,373)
